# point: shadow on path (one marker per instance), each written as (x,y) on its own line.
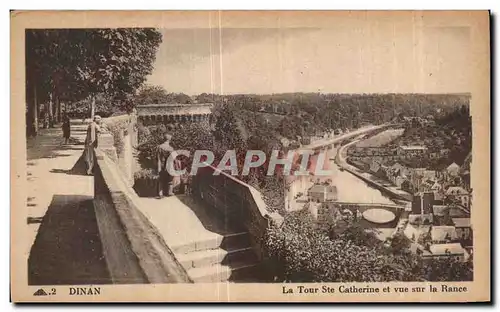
(67,249)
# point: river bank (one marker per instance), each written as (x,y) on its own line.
(386,188)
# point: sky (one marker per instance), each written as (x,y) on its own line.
(358,56)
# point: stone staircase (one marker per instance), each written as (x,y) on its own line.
(228,257)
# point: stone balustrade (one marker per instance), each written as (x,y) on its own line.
(133,248)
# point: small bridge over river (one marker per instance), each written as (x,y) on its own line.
(361,206)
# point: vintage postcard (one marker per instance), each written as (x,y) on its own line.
(250,156)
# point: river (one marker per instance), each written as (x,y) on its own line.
(352,189)
(349,187)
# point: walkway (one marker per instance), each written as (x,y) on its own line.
(61,223)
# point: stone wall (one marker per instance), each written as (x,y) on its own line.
(134,250)
(126,125)
(153,114)
(237,201)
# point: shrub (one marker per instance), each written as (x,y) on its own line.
(147,148)
(300,251)
(145,182)
(145,174)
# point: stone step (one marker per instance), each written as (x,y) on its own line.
(230,240)
(237,271)
(227,256)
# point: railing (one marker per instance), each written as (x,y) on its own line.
(133,248)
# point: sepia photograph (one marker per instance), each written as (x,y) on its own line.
(314,152)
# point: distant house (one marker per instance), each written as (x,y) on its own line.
(430,185)
(453,169)
(463,228)
(440,210)
(459,194)
(406,185)
(420,219)
(429,174)
(441,251)
(434,155)
(443,234)
(422,203)
(398,180)
(415,176)
(411,151)
(322,193)
(374,166)
(413,231)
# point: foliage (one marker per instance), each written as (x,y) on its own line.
(451,131)
(148,145)
(149,94)
(75,64)
(448,269)
(145,174)
(300,114)
(300,251)
(307,254)
(105,106)
(229,130)
(145,183)
(399,243)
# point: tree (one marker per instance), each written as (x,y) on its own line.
(229,130)
(301,252)
(73,64)
(151,95)
(117,61)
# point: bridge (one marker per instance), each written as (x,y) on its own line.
(325,143)
(350,205)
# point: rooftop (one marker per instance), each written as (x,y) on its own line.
(320,188)
(413,147)
(443,249)
(456,190)
(443,232)
(461,222)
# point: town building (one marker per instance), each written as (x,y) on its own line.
(453,169)
(463,228)
(459,194)
(421,208)
(441,251)
(322,193)
(411,151)
(442,234)
(175,114)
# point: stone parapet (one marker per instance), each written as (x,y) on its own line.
(174,109)
(134,250)
(238,202)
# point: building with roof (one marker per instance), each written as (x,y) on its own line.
(322,193)
(453,169)
(411,151)
(415,232)
(459,194)
(441,251)
(443,234)
(422,203)
(463,229)
(153,114)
